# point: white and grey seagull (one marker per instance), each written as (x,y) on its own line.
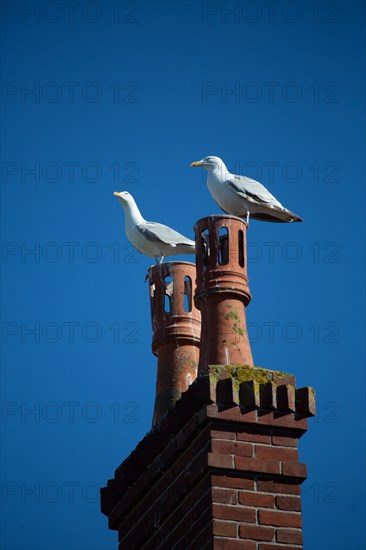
(151,238)
(242,196)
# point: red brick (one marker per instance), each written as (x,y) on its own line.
(287,535)
(276,453)
(283,421)
(285,441)
(253,465)
(196,535)
(225,528)
(271,487)
(196,520)
(278,547)
(222,434)
(185,527)
(202,440)
(280,519)
(232,482)
(188,430)
(305,401)
(294,469)
(286,397)
(230,544)
(259,500)
(256,532)
(201,541)
(196,502)
(220,461)
(224,496)
(256,438)
(234,414)
(289,503)
(234,513)
(231,448)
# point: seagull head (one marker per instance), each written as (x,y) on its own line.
(129,205)
(124,197)
(211,164)
(127,200)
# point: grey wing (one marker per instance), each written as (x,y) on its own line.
(158,232)
(252,190)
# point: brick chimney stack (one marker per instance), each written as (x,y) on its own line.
(176,325)
(220,469)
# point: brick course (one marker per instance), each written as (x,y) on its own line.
(282,519)
(288,503)
(286,535)
(256,532)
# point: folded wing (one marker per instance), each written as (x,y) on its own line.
(253,191)
(158,232)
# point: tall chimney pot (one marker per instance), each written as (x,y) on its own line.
(176,327)
(222,291)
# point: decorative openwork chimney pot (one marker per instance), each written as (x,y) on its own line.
(176,331)
(222,292)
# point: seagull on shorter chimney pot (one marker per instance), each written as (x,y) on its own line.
(242,196)
(150,238)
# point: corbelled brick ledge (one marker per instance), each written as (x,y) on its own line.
(220,470)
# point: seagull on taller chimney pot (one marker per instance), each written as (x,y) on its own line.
(150,238)
(242,196)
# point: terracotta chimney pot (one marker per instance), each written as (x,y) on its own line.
(222,291)
(176,327)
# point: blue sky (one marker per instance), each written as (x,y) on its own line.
(111,96)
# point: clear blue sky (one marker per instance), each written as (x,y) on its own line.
(113,96)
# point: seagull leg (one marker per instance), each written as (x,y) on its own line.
(161,260)
(247,222)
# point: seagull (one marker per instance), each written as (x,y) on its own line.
(242,196)
(151,238)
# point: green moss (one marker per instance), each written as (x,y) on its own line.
(237,329)
(232,315)
(243,373)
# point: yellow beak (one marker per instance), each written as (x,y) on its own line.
(197,163)
(116,194)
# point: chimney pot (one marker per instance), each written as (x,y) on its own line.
(222,291)
(176,331)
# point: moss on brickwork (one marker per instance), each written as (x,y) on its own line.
(244,373)
(232,315)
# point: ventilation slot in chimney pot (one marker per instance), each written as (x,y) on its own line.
(223,246)
(168,294)
(241,247)
(187,304)
(206,247)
